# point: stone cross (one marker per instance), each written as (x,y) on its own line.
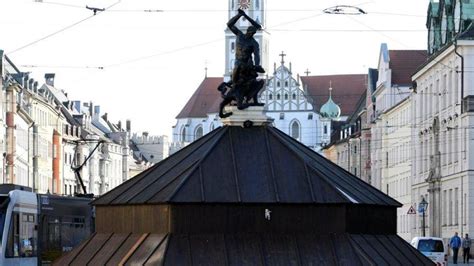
(282,57)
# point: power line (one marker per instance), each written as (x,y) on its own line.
(59,31)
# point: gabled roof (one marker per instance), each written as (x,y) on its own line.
(361,104)
(205,100)
(245,165)
(346,92)
(404,64)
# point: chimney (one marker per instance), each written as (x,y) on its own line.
(97,110)
(49,79)
(91,109)
(105,117)
(77,105)
(145,134)
(128,125)
(30,84)
(119,125)
(25,80)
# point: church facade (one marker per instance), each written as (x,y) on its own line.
(293,102)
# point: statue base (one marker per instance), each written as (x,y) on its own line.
(253,114)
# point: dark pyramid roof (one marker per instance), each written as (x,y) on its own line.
(245,165)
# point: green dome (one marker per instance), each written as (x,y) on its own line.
(330,109)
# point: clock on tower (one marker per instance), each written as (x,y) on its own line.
(244,4)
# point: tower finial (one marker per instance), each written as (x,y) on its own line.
(330,89)
(205,68)
(307,72)
(282,57)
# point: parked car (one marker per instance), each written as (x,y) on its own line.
(433,248)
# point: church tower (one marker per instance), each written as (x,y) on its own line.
(256,9)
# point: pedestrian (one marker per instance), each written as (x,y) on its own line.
(466,248)
(455,244)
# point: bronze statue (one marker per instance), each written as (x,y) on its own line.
(244,86)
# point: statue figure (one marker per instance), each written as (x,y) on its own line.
(244,86)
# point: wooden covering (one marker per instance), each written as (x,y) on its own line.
(245,249)
(245,196)
(235,219)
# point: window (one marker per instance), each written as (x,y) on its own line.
(198,133)
(450,211)
(456,206)
(232,47)
(295,130)
(282,116)
(22,236)
(286,83)
(325,129)
(286,96)
(293,96)
(278,84)
(183,134)
(310,116)
(278,96)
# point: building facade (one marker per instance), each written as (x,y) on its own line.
(58,146)
(442,136)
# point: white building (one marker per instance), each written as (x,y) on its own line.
(395,68)
(291,109)
(391,154)
(443,136)
(396,174)
(151,148)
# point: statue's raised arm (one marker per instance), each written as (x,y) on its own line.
(233,21)
(253,22)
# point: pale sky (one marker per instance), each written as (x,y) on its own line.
(154,61)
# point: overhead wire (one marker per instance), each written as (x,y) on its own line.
(59,31)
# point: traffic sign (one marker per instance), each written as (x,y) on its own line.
(411,210)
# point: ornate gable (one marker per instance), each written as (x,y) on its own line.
(283,92)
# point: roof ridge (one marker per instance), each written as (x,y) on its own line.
(331,183)
(194,166)
(207,138)
(375,193)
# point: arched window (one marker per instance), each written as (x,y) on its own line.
(278,96)
(286,96)
(278,83)
(198,132)
(286,83)
(295,129)
(183,134)
(293,96)
(270,96)
(212,127)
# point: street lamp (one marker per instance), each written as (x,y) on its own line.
(422,208)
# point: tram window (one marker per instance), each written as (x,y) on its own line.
(22,237)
